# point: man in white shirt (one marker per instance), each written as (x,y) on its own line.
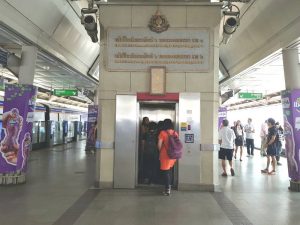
(249,130)
(263,137)
(226,140)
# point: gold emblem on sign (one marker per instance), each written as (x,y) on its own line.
(158,23)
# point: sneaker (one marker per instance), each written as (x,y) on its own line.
(232,172)
(167,192)
(224,175)
(241,160)
(279,164)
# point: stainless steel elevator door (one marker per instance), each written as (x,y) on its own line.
(125,141)
(158,111)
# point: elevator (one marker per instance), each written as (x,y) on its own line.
(148,173)
(131,170)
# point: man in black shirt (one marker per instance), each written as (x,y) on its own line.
(271,147)
(279,139)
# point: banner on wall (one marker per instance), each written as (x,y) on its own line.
(222,115)
(179,50)
(291,118)
(18,114)
(92,126)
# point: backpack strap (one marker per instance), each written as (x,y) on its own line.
(168,137)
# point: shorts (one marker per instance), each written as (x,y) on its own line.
(271,150)
(226,153)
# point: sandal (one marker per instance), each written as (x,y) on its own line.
(265,171)
(232,172)
(273,172)
(224,174)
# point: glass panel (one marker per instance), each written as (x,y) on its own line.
(58,132)
(35,130)
(42,132)
(70,129)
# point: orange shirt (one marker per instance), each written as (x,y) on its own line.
(165,162)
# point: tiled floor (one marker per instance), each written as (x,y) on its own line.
(56,179)
(57,193)
(263,199)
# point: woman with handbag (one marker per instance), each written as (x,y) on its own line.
(239,141)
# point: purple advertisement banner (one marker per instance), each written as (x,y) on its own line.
(18,109)
(221,115)
(291,116)
(91,126)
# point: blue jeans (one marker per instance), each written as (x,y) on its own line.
(278,151)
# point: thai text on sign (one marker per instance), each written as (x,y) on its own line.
(138,49)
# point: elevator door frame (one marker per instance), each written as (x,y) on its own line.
(138,140)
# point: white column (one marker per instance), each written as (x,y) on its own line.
(28,61)
(291,68)
(96,97)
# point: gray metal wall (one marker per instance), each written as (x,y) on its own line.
(189,166)
(125,141)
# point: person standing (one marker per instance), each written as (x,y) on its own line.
(271,147)
(239,140)
(226,140)
(166,164)
(150,154)
(234,125)
(249,130)
(279,139)
(263,137)
(144,127)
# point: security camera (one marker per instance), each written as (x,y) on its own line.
(229,28)
(90,26)
(226,38)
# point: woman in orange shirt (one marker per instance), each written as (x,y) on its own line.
(166,164)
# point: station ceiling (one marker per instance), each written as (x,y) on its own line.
(266,76)
(49,74)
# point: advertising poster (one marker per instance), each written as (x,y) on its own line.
(222,115)
(91,126)
(18,112)
(291,114)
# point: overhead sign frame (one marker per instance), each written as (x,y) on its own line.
(250,96)
(65,92)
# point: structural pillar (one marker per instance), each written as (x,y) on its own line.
(291,113)
(123,75)
(18,115)
(291,68)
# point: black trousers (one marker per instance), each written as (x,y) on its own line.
(167,179)
(250,146)
(151,163)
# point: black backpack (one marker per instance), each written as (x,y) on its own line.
(151,141)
